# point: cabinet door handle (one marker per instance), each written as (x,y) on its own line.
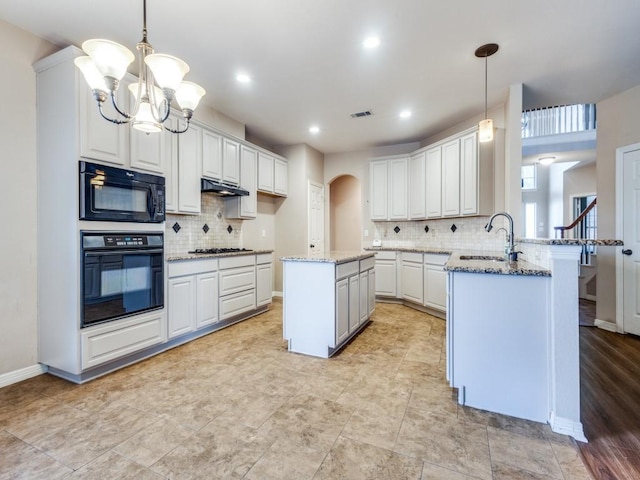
(627,252)
(312,246)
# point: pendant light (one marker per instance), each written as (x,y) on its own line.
(485,127)
(159,82)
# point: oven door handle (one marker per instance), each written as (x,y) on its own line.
(96,253)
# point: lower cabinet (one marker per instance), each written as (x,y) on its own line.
(412,277)
(435,281)
(192,295)
(326,303)
(420,278)
(386,276)
(264,279)
(112,340)
(237,285)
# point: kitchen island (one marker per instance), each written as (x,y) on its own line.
(328,298)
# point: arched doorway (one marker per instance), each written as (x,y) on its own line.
(345,214)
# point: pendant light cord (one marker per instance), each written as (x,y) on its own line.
(485,85)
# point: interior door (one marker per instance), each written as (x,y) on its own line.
(316,218)
(631,238)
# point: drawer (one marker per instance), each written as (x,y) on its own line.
(113,340)
(264,258)
(385,255)
(412,257)
(237,303)
(236,279)
(435,259)
(237,261)
(191,267)
(346,269)
(367,263)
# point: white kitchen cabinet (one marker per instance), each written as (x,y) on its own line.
(469,174)
(147,151)
(207,299)
(189,169)
(280,177)
(372,291)
(388,194)
(354,302)
(237,285)
(417,186)
(230,161)
(266,172)
(211,155)
(99,139)
(170,149)
(435,281)
(113,340)
(379,189)
(386,274)
(181,300)
(364,296)
(451,178)
(342,310)
(433,192)
(245,207)
(398,191)
(412,277)
(321,315)
(264,279)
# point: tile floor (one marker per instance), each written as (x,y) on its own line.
(236,404)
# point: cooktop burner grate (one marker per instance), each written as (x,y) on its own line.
(220,250)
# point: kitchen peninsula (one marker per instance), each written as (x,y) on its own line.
(328,299)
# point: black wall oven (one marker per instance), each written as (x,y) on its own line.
(122,275)
(115,194)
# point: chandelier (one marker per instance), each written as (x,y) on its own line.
(159,82)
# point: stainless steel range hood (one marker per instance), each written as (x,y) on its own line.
(221,189)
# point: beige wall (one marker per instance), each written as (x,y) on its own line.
(18,283)
(617,126)
(305,164)
(578,182)
(345,214)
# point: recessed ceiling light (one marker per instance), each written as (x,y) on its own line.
(243,78)
(371,42)
(405,114)
(314,129)
(546,160)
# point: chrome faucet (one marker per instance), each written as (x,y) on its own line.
(512,254)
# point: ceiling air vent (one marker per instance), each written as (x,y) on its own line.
(366,113)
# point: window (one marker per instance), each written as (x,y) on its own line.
(530,220)
(528,177)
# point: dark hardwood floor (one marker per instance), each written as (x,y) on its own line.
(610,400)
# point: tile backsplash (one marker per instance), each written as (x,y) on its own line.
(453,233)
(192,235)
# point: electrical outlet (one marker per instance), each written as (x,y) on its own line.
(366,233)
(263,233)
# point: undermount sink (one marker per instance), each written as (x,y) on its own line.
(490,258)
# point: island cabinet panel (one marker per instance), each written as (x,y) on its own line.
(320,316)
(498,350)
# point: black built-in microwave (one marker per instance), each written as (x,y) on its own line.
(116,194)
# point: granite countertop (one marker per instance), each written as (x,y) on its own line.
(329,257)
(200,256)
(485,263)
(439,250)
(571,241)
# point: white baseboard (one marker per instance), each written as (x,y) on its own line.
(277,294)
(16,376)
(605,325)
(565,426)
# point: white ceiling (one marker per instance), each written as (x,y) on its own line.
(308,65)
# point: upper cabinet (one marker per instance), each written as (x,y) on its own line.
(245,206)
(189,169)
(451,178)
(272,175)
(211,155)
(230,161)
(388,188)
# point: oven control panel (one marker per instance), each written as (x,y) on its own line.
(124,241)
(116,240)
